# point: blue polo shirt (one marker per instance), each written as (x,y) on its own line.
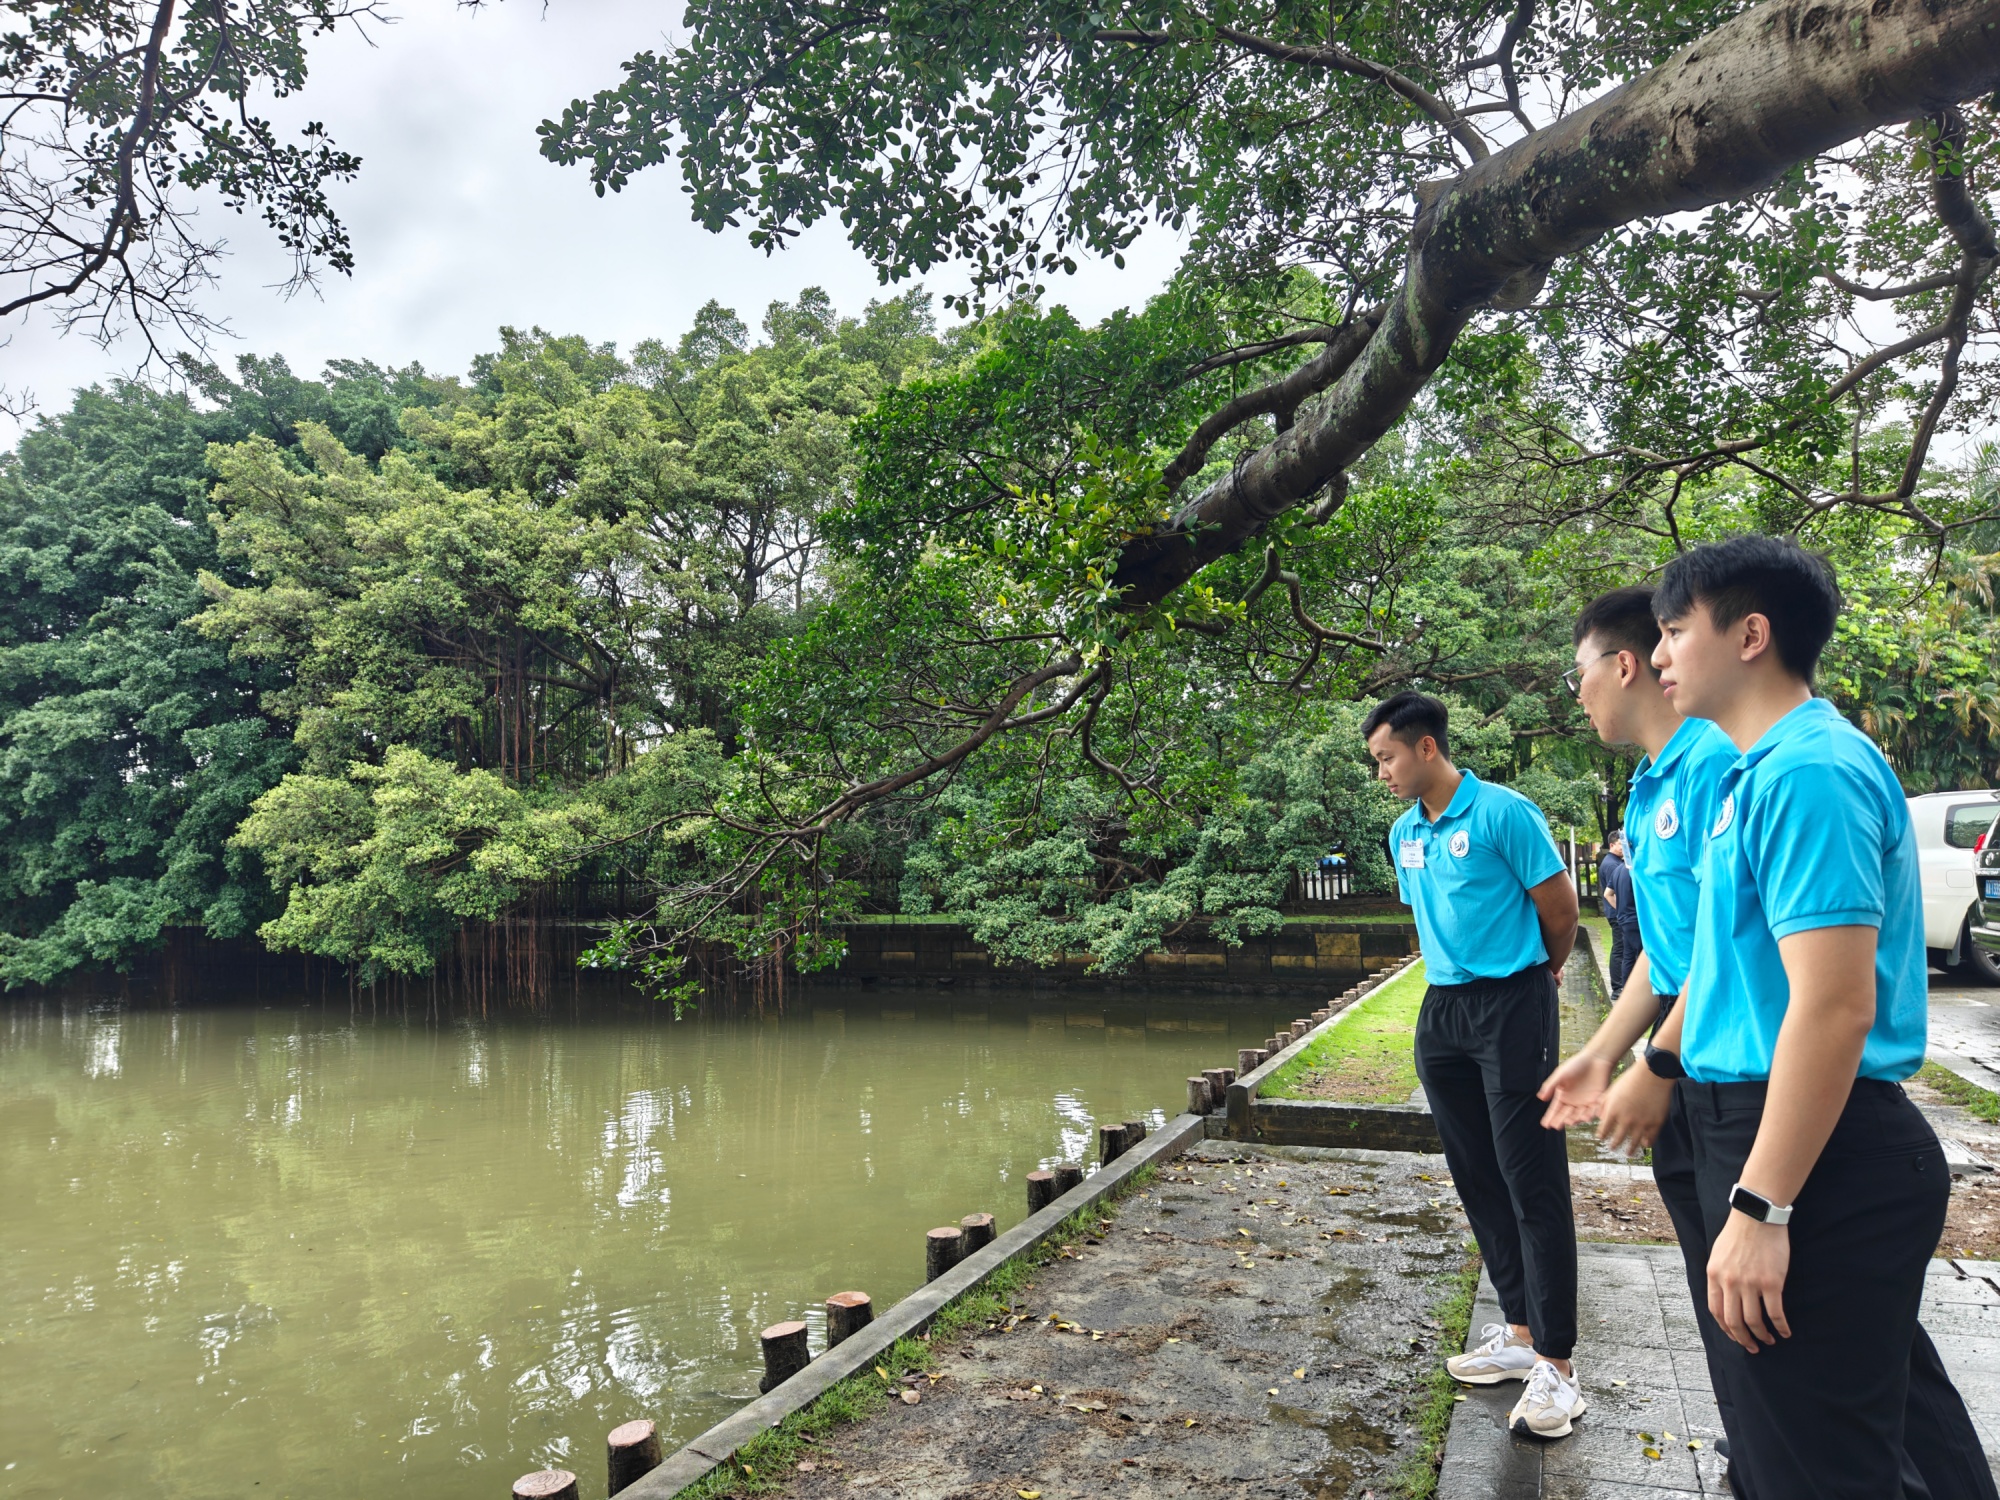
(1811,831)
(1467,877)
(1668,814)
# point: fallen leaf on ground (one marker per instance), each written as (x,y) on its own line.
(1192,1423)
(882,1372)
(911,1398)
(1029,1494)
(1299,1374)
(1696,1444)
(806,1466)
(1272,1392)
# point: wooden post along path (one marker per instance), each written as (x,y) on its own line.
(546,1484)
(1041,1191)
(1068,1175)
(847,1313)
(785,1353)
(943,1249)
(630,1451)
(1110,1144)
(978,1232)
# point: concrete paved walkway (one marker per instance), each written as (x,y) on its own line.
(1258,1323)
(1643,1372)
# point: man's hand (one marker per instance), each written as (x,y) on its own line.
(1634,1110)
(1575,1090)
(1746,1280)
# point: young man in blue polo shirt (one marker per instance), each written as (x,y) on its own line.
(1496,916)
(1822,1189)
(1671,805)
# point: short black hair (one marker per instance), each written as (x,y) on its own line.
(1410,716)
(1624,620)
(1758,575)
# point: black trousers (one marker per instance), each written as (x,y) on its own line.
(1674,1176)
(1482,1050)
(1626,946)
(1856,1404)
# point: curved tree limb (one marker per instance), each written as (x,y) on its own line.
(1723,118)
(1281,397)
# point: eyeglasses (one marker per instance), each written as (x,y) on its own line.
(1573,678)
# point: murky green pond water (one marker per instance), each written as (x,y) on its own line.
(302,1252)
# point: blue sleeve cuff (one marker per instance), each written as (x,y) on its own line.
(1555,867)
(1814,921)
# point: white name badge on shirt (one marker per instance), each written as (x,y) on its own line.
(1413,854)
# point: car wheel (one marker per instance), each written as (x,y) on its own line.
(1980,965)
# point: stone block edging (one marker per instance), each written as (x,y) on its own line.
(1339,1125)
(910,1316)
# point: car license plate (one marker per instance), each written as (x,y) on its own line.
(1993,890)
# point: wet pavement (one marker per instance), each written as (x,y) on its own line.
(1645,1378)
(1257,1322)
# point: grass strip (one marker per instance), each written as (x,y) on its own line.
(1981,1104)
(765,1462)
(1368,1058)
(1418,1478)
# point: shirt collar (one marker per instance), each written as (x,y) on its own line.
(1802,718)
(1460,804)
(1677,745)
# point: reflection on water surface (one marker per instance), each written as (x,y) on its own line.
(344,1255)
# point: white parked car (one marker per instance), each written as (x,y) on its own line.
(1950,826)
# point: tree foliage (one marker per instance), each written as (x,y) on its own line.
(114,116)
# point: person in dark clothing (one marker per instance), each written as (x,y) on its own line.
(1614,900)
(1619,895)
(1608,864)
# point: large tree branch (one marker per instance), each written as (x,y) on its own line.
(1722,119)
(1280,397)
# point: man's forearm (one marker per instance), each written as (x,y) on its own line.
(1832,1007)
(1555,913)
(1559,938)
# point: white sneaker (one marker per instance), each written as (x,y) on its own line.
(1549,1403)
(1502,1355)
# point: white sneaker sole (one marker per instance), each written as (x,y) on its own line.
(1522,1428)
(1488,1377)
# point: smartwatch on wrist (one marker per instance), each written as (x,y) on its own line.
(1663,1064)
(1755,1205)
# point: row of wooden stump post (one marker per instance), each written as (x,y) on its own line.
(634,1449)
(1208,1090)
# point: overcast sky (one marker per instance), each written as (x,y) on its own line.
(460,225)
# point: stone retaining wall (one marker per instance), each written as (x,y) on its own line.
(1306,956)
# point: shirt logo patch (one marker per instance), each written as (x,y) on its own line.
(1724,817)
(1667,821)
(1411,856)
(1460,842)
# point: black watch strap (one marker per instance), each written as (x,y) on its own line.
(1664,1064)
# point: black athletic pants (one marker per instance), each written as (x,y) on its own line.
(1482,1050)
(1626,946)
(1855,1405)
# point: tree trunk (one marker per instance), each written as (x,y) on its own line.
(1723,118)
